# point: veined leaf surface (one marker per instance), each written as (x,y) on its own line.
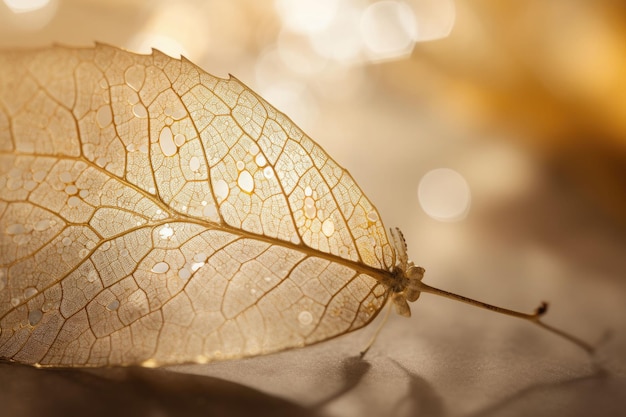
(153,213)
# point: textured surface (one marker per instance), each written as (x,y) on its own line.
(152,213)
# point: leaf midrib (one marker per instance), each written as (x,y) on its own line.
(174,215)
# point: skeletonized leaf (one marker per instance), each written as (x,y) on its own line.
(153,213)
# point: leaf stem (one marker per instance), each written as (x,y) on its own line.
(533,317)
(377,332)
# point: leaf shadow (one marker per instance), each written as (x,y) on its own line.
(421,399)
(353,369)
(137,392)
(599,393)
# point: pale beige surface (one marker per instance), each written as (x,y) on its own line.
(530,235)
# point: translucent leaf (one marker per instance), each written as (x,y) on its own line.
(151,213)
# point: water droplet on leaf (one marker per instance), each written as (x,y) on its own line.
(184,274)
(245,181)
(140,112)
(104,116)
(113,305)
(372,216)
(135,76)
(305,318)
(34,317)
(160,268)
(260,160)
(15,229)
(166,142)
(30,292)
(194,163)
(42,225)
(179,140)
(221,190)
(328,227)
(166,232)
(196,265)
(309,208)
(268,172)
